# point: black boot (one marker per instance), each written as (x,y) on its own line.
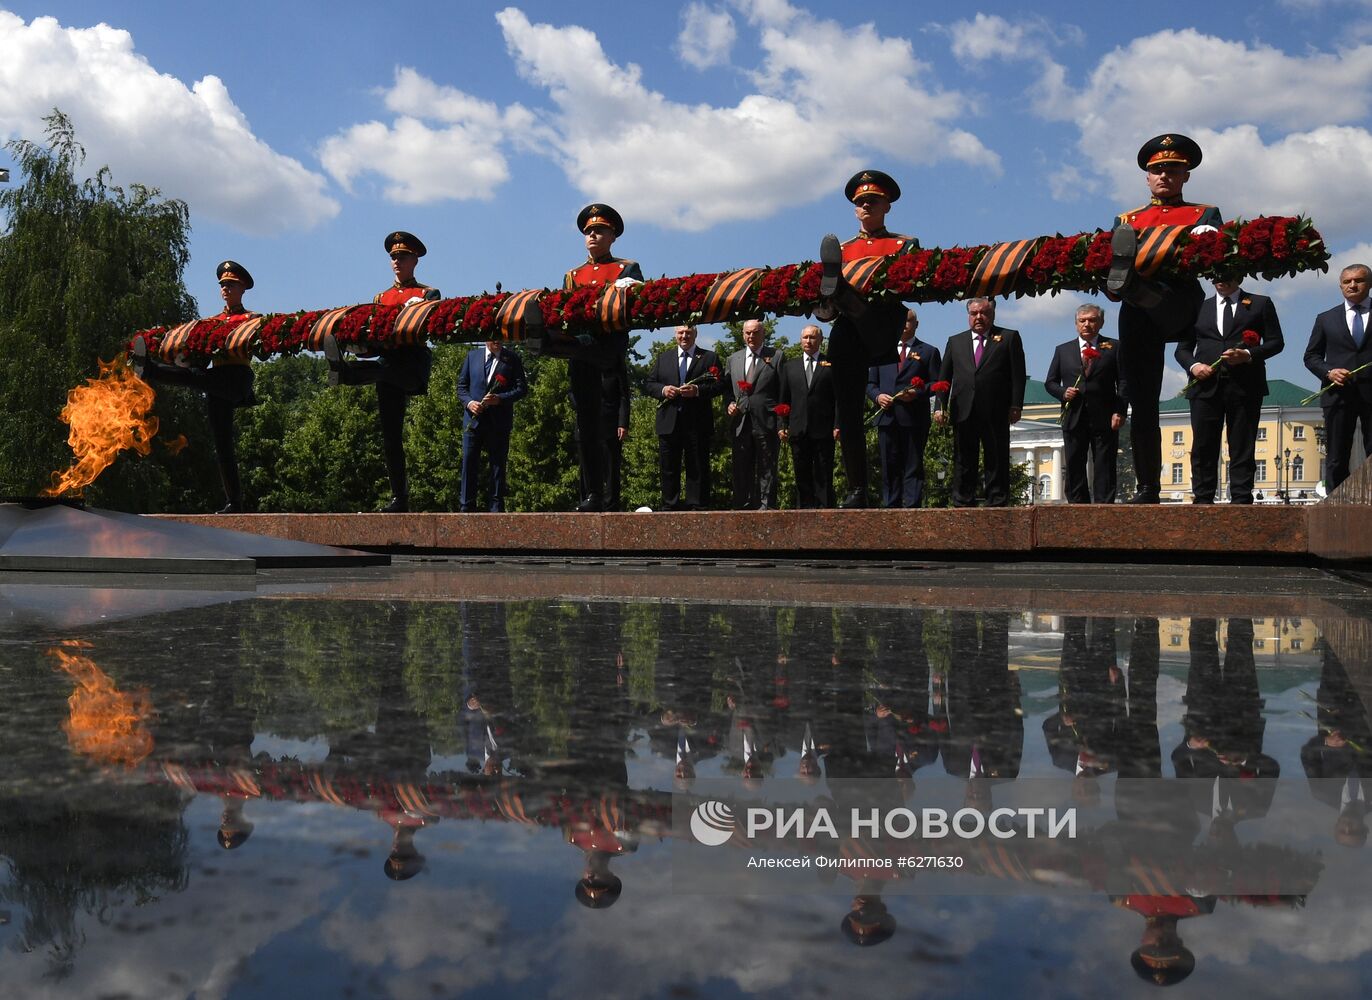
(338,367)
(138,358)
(535,329)
(838,294)
(593,504)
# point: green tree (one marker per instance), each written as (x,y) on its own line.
(83,263)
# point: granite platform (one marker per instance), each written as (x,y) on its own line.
(1079,534)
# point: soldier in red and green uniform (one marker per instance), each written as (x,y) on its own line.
(592,362)
(226,383)
(398,372)
(864,333)
(1154,311)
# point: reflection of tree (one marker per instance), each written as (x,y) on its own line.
(86,853)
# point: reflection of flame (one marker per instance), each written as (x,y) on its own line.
(105,723)
(176,445)
(106,415)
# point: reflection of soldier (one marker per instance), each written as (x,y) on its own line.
(1224,728)
(1161,957)
(397,750)
(985,739)
(868,922)
(1336,759)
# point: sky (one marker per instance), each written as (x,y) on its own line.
(300,134)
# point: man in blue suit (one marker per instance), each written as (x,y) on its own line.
(491,381)
(901,391)
(1339,346)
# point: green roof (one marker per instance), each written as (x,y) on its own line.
(1279,393)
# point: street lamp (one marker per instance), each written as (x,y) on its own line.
(1286,494)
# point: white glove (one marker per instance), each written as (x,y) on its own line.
(626,282)
(1197,230)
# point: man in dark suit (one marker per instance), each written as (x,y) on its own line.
(985,368)
(1085,375)
(490,383)
(901,391)
(751,392)
(807,387)
(1154,311)
(686,379)
(1225,355)
(1339,345)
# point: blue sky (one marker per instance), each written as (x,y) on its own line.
(300,134)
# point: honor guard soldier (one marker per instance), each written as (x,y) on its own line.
(398,372)
(1154,311)
(227,383)
(864,333)
(591,361)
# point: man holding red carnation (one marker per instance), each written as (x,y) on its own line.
(1225,354)
(901,392)
(1085,375)
(686,379)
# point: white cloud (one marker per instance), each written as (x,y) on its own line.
(459,160)
(1282,133)
(807,125)
(194,144)
(707,36)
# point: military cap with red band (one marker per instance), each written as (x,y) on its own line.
(403,242)
(599,214)
(866,182)
(1172,147)
(231,270)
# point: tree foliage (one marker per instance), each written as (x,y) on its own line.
(82,263)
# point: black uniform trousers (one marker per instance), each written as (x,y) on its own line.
(226,388)
(1143,334)
(854,345)
(398,373)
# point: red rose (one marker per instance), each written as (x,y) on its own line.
(745,387)
(940,387)
(1251,338)
(782,410)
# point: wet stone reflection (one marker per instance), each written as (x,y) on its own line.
(403,797)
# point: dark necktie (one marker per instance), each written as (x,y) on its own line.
(904,353)
(976,355)
(1358,330)
(809,370)
(752,367)
(685,364)
(1228,317)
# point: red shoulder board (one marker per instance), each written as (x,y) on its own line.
(1165,215)
(860,246)
(1160,906)
(591,273)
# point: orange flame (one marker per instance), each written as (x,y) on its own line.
(107,415)
(105,723)
(176,445)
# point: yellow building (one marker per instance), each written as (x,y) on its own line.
(1289,453)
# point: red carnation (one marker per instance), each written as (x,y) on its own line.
(782,410)
(1251,338)
(1098,254)
(940,387)
(1089,354)
(501,381)
(714,371)
(917,383)
(744,386)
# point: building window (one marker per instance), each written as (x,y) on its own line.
(1174,640)
(1297,469)
(1297,644)
(1259,643)
(1176,473)
(1045,486)
(1177,437)
(1262,433)
(1260,476)
(1298,432)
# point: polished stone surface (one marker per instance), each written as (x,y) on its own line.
(456,777)
(1341,524)
(57,537)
